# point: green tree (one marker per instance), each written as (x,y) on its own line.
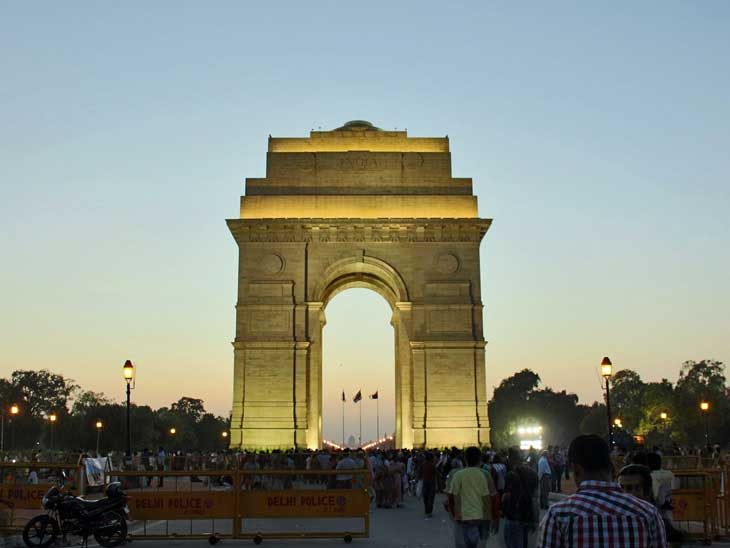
(87,400)
(209,431)
(191,408)
(42,392)
(627,392)
(703,380)
(595,420)
(508,408)
(659,398)
(518,400)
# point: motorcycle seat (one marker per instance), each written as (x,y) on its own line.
(91,504)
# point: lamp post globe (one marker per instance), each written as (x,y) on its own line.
(606,367)
(606,373)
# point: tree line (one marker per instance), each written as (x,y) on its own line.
(519,400)
(42,394)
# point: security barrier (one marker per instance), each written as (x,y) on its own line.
(23,484)
(693,504)
(248,504)
(336,504)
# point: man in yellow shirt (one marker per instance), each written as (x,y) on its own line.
(470,499)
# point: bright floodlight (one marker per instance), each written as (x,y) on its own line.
(525,445)
(606,367)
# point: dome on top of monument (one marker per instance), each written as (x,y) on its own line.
(358,125)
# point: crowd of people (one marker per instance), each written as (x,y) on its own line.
(484,492)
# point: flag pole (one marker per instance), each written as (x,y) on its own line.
(343,419)
(360,402)
(377,414)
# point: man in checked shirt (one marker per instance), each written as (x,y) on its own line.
(600,514)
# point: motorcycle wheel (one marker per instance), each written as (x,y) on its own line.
(111,530)
(40,531)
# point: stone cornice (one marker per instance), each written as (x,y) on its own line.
(359,230)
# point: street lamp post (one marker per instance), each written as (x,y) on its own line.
(665,419)
(705,408)
(99,426)
(606,372)
(173,431)
(129,377)
(14,410)
(52,419)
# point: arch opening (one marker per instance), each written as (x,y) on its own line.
(358,355)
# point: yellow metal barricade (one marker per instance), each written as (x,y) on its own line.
(694,504)
(23,485)
(285,504)
(250,504)
(179,504)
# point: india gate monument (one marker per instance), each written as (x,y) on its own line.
(358,207)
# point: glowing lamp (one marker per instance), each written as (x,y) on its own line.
(606,367)
(128,371)
(705,406)
(52,417)
(173,431)
(224,434)
(14,409)
(663,415)
(99,425)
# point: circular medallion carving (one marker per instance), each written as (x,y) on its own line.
(272,263)
(446,263)
(412,160)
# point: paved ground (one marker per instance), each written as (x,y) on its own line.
(401,528)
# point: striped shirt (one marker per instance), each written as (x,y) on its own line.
(601,515)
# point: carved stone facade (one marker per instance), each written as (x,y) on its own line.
(358,207)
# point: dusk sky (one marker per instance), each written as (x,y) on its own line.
(597,135)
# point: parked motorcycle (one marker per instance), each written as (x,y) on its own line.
(105,519)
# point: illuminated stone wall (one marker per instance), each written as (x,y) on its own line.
(358,207)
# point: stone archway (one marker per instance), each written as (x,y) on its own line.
(369,273)
(358,207)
